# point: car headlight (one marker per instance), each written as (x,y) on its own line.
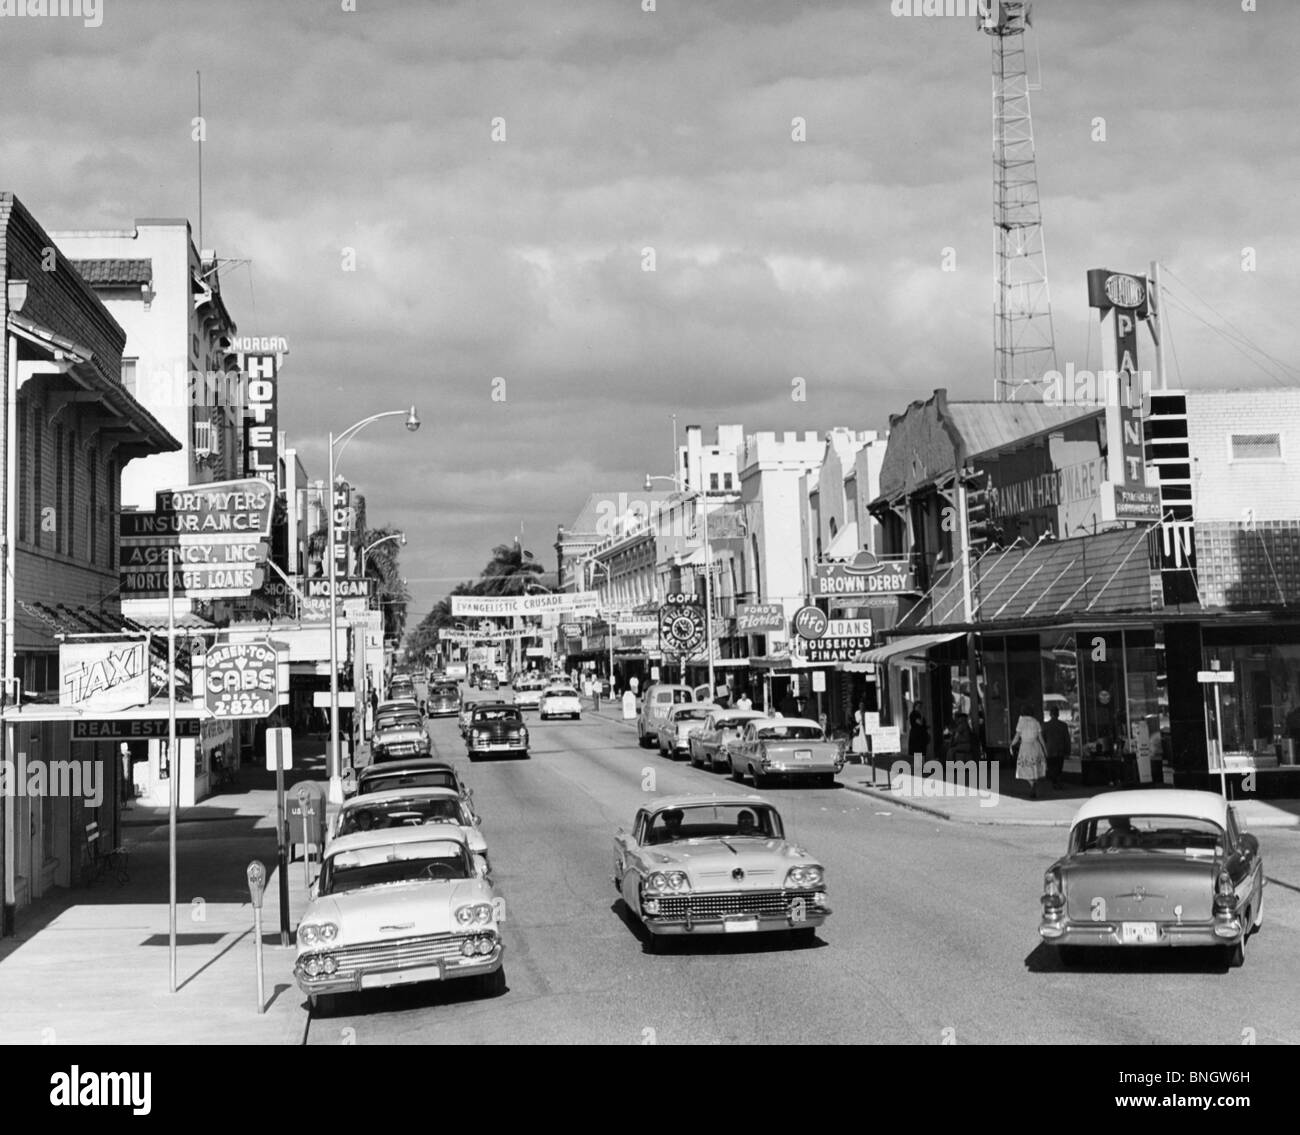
(657,881)
(310,933)
(474,914)
(804,877)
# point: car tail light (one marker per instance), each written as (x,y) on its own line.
(1225,896)
(1053,891)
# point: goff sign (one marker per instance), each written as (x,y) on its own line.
(241,680)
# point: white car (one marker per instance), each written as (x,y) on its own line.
(396,907)
(682,723)
(560,701)
(528,693)
(409,807)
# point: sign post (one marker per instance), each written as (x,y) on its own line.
(1216,677)
(173,796)
(277,740)
(305,807)
(256,888)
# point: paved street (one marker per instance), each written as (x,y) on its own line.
(934,930)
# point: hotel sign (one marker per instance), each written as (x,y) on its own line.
(864,575)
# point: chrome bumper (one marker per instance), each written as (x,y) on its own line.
(440,969)
(657,924)
(1212,933)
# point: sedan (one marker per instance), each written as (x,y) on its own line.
(496,728)
(444,700)
(1154,867)
(681,724)
(397,907)
(717,865)
(528,693)
(411,774)
(719,727)
(785,746)
(410,807)
(559,701)
(398,738)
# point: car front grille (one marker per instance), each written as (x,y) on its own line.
(401,954)
(399,748)
(737,902)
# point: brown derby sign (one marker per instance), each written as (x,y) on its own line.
(864,575)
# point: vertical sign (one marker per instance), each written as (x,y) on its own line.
(261,422)
(1122,301)
(342,506)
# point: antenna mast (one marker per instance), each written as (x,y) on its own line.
(1024,346)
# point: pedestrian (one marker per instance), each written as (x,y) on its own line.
(633,684)
(1056,744)
(743,701)
(918,733)
(859,745)
(1031,758)
(962,745)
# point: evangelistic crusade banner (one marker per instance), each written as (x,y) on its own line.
(579,602)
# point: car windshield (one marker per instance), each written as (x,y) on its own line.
(682,696)
(400,813)
(714,821)
(789,733)
(385,864)
(446,691)
(561,692)
(502,713)
(398,721)
(426,778)
(1177,835)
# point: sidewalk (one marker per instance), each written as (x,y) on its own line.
(90,965)
(989,806)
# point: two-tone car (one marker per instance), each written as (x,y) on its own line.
(398,736)
(528,691)
(422,773)
(410,807)
(654,707)
(444,699)
(496,728)
(681,724)
(559,701)
(717,865)
(399,906)
(708,744)
(795,747)
(1154,867)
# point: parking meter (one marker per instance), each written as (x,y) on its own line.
(256,883)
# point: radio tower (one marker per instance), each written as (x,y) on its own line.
(1024,347)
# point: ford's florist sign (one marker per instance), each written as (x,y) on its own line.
(759,618)
(241,680)
(864,575)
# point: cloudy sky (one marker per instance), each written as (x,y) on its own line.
(522,257)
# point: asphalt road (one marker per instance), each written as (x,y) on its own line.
(933,936)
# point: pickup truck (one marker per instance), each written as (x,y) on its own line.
(456,671)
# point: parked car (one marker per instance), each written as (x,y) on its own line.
(708,746)
(410,807)
(401,688)
(653,710)
(717,865)
(495,727)
(682,722)
(444,700)
(559,701)
(395,907)
(1154,867)
(785,746)
(423,773)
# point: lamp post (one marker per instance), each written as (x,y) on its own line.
(708,574)
(335,759)
(592,565)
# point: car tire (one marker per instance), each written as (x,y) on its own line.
(1069,956)
(1258,920)
(493,984)
(655,943)
(826,780)
(760,781)
(804,936)
(737,775)
(1234,956)
(322,1004)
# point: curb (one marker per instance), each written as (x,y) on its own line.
(937,813)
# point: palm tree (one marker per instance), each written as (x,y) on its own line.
(382,566)
(510,571)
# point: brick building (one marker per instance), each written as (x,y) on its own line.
(71,428)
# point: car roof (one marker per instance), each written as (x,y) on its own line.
(400,794)
(792,721)
(380,836)
(666,802)
(670,686)
(748,714)
(494,705)
(693,706)
(412,764)
(1156,802)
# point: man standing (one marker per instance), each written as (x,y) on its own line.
(633,684)
(1056,740)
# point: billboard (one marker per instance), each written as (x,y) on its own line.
(261,420)
(578,602)
(241,679)
(865,574)
(102,677)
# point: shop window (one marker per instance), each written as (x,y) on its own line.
(1145,691)
(1061,684)
(1261,706)
(998,721)
(1102,700)
(1256,447)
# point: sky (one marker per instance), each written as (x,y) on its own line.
(455,204)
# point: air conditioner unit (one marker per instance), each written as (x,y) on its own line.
(204,435)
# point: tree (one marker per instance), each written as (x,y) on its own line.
(382,566)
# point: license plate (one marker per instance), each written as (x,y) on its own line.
(803,754)
(739,925)
(400,977)
(1138,933)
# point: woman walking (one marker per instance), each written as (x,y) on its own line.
(1031,756)
(858,746)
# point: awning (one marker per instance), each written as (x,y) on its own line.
(912,644)
(155,710)
(788,662)
(845,544)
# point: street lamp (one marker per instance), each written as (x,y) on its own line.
(335,759)
(592,565)
(708,573)
(365,552)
